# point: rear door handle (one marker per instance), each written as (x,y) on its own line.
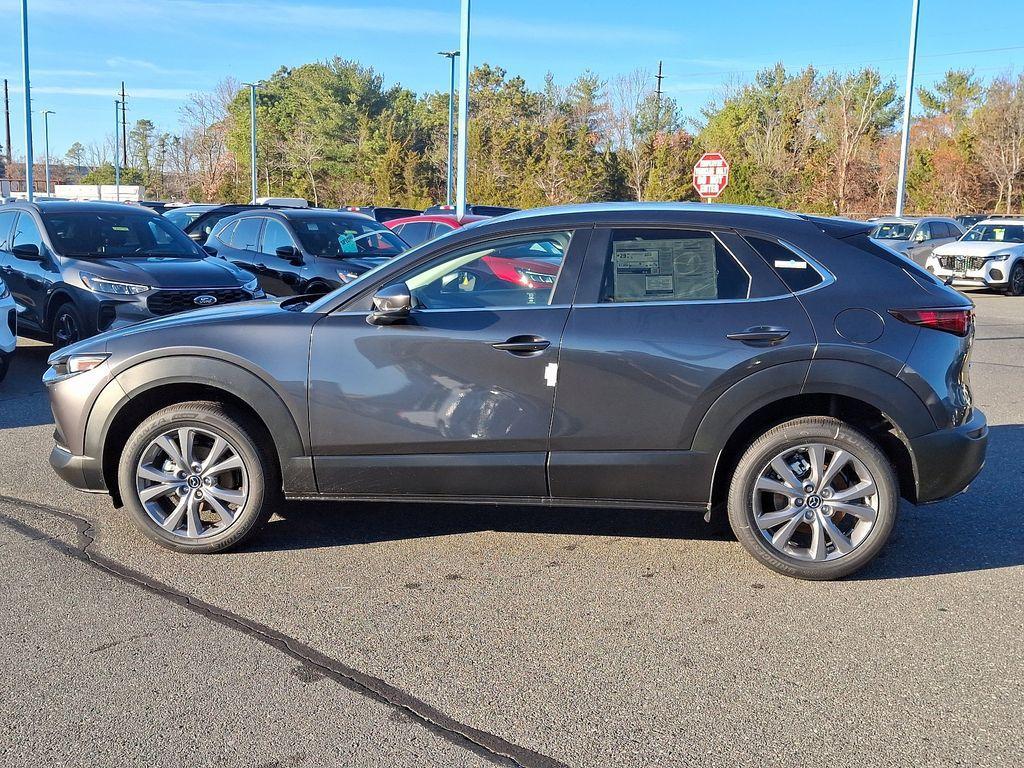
(523,345)
(760,334)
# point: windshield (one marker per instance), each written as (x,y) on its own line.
(344,236)
(892,231)
(996,233)
(107,234)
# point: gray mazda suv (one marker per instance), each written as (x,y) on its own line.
(784,371)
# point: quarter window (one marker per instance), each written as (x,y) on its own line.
(671,265)
(512,272)
(794,270)
(224,233)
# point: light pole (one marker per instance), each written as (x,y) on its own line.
(117,150)
(46,144)
(460,190)
(901,182)
(451,56)
(252,136)
(29,181)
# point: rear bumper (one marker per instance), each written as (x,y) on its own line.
(948,460)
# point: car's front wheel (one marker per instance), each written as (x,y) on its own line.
(68,326)
(1015,285)
(197,477)
(813,498)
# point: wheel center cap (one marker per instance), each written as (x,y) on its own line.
(194,481)
(814,501)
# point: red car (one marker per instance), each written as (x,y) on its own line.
(416,230)
(532,270)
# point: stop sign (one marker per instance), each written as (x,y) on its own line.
(710,175)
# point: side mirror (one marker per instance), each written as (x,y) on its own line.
(198,236)
(210,250)
(27,251)
(290,252)
(391,304)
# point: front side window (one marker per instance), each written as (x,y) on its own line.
(924,232)
(275,236)
(671,265)
(517,271)
(892,231)
(792,268)
(27,233)
(6,222)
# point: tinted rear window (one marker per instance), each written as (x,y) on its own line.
(794,270)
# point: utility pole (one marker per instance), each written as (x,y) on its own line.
(46,144)
(7,122)
(908,99)
(451,56)
(29,180)
(252,138)
(117,150)
(463,156)
(659,77)
(124,127)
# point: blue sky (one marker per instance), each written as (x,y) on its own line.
(164,49)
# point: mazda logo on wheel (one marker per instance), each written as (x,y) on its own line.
(205,300)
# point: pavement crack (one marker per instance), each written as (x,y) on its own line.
(482,743)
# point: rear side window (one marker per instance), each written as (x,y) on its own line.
(792,268)
(671,265)
(415,232)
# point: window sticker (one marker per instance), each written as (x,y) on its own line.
(682,269)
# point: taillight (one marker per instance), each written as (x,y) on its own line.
(956,321)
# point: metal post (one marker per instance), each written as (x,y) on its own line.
(901,182)
(463,139)
(117,150)
(124,127)
(451,56)
(252,141)
(29,180)
(46,144)
(7,122)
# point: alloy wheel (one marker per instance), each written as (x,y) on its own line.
(1017,281)
(66,329)
(815,502)
(192,482)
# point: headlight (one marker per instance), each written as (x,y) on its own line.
(252,286)
(347,277)
(1000,256)
(75,364)
(102,285)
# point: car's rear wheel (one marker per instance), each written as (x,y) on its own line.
(68,326)
(196,477)
(813,498)
(1015,285)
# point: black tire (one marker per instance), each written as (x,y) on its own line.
(248,442)
(834,434)
(5,365)
(1015,285)
(67,326)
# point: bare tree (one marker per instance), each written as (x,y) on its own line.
(1000,132)
(205,120)
(629,124)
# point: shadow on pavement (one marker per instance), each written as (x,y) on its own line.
(22,394)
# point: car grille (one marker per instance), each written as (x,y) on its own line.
(962,263)
(169,302)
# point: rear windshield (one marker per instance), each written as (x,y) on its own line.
(892,231)
(996,233)
(182,217)
(106,234)
(342,236)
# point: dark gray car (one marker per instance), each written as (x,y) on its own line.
(701,358)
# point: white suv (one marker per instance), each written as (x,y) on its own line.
(990,255)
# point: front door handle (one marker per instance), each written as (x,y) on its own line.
(523,345)
(760,334)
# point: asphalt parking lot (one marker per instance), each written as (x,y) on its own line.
(399,635)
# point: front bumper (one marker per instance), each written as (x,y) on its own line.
(81,472)
(8,326)
(993,275)
(948,460)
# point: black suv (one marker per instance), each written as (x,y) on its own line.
(79,268)
(199,220)
(304,250)
(780,369)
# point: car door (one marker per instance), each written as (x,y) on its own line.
(922,241)
(243,250)
(279,276)
(665,320)
(30,280)
(457,400)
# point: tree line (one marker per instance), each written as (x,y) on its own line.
(333,132)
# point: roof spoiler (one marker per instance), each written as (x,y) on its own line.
(838,227)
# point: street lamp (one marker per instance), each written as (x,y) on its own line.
(252,135)
(901,182)
(46,144)
(460,190)
(29,181)
(117,149)
(451,56)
